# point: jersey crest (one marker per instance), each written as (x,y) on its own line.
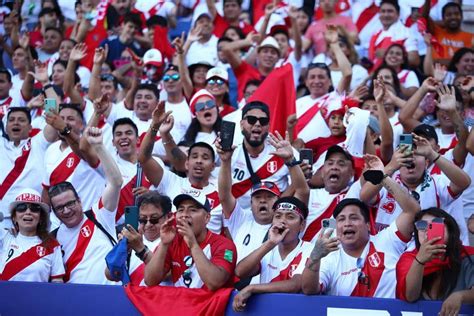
(41,251)
(272,166)
(374,260)
(86,231)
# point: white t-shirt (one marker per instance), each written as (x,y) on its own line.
(91,266)
(338,273)
(203,52)
(41,265)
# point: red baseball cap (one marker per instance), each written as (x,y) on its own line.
(267,186)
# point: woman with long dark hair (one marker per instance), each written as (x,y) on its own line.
(29,252)
(437,270)
(397,58)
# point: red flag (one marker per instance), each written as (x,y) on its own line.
(162,300)
(161,42)
(278,92)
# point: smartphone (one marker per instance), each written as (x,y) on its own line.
(227,135)
(131,216)
(436,229)
(329,223)
(50,105)
(407,139)
(306,155)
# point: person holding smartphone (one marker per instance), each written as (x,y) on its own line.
(440,268)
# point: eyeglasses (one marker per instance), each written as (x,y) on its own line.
(201,106)
(362,278)
(422,225)
(152,220)
(34,208)
(187,279)
(253,119)
(68,205)
(218,82)
(173,77)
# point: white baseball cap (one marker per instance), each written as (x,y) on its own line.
(153,57)
(219,73)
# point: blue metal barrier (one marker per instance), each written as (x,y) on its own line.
(23,298)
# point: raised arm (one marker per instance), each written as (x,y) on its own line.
(100,55)
(295,33)
(174,155)
(224,183)
(211,6)
(183,68)
(113,177)
(155,269)
(332,39)
(386,131)
(69,86)
(231,51)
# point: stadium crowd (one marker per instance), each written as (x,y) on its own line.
(349,171)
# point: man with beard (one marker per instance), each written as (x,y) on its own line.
(449,34)
(253,161)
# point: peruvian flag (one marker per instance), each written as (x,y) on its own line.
(282,98)
(178,301)
(162,43)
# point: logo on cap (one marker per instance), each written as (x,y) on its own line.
(28,197)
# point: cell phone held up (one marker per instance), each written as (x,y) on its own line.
(50,105)
(436,229)
(131,216)
(227,135)
(407,140)
(306,156)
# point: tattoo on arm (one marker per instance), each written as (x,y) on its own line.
(178,154)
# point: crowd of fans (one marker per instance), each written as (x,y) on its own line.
(106,104)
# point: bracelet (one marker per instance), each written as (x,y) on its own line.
(167,142)
(142,254)
(436,159)
(419,261)
(154,129)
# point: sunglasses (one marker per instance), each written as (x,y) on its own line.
(153,220)
(107,77)
(422,224)
(218,82)
(362,278)
(253,119)
(266,184)
(201,106)
(34,208)
(318,65)
(173,77)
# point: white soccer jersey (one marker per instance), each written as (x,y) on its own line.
(445,141)
(137,267)
(25,258)
(64,165)
(365,15)
(246,233)
(397,32)
(85,247)
(268,167)
(408,78)
(339,272)
(273,268)
(172,185)
(21,167)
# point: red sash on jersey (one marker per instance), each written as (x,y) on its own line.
(307,116)
(137,276)
(65,169)
(266,170)
(126,196)
(4,106)
(373,269)
(404,77)
(366,16)
(287,273)
(341,6)
(454,142)
(321,145)
(20,163)
(27,258)
(315,226)
(85,236)
(384,44)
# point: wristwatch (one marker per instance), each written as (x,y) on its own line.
(292,163)
(66,130)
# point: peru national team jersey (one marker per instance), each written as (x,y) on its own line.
(273,268)
(65,165)
(339,272)
(219,250)
(85,247)
(268,167)
(173,185)
(21,167)
(25,258)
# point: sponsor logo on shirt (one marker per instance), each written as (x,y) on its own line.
(349,272)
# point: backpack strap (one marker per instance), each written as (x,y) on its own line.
(90,215)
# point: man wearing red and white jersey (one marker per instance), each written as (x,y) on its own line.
(196,257)
(365,15)
(22,157)
(86,239)
(281,259)
(249,229)
(8,96)
(63,164)
(265,166)
(393,31)
(355,263)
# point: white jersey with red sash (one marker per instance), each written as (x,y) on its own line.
(445,141)
(219,250)
(21,167)
(408,78)
(65,165)
(321,205)
(137,267)
(27,258)
(365,15)
(85,247)
(268,168)
(273,268)
(339,272)
(172,185)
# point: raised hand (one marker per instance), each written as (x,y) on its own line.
(447,98)
(440,72)
(139,191)
(277,233)
(291,122)
(423,146)
(359,93)
(168,231)
(270,8)
(24,40)
(100,54)
(167,125)
(325,244)
(283,147)
(41,72)
(102,104)
(36,102)
(159,115)
(135,239)
(373,162)
(94,136)
(53,119)
(195,34)
(331,35)
(401,157)
(178,43)
(379,90)
(253,38)
(429,251)
(224,155)
(430,84)
(78,52)
(184,229)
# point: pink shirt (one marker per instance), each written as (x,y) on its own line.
(316,31)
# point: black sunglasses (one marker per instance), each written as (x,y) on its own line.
(253,119)
(318,65)
(266,184)
(153,220)
(34,208)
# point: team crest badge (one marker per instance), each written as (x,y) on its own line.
(374,260)
(26,147)
(40,251)
(272,166)
(292,270)
(70,162)
(86,231)
(211,202)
